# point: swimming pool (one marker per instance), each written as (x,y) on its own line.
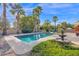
(33,37)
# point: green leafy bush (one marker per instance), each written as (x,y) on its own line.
(55,48)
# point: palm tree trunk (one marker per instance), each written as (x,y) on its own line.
(55,26)
(4,20)
(37,23)
(35,27)
(17,18)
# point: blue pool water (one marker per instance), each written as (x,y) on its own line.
(32,37)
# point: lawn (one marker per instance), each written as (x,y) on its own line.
(55,48)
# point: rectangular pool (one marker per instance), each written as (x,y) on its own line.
(33,37)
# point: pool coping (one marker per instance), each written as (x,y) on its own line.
(20,47)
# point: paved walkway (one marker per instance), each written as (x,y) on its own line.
(73,38)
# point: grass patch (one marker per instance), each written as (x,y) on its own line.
(55,48)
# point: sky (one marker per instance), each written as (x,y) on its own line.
(68,12)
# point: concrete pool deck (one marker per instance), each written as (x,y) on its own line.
(20,47)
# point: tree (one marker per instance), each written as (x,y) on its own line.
(4,19)
(64,25)
(70,25)
(17,10)
(26,24)
(36,13)
(47,26)
(55,19)
(8,25)
(59,28)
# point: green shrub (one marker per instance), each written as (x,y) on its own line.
(55,48)
(27,30)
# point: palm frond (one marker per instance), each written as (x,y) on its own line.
(12,11)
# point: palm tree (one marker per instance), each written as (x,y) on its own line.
(4,19)
(55,19)
(47,25)
(17,10)
(36,13)
(64,25)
